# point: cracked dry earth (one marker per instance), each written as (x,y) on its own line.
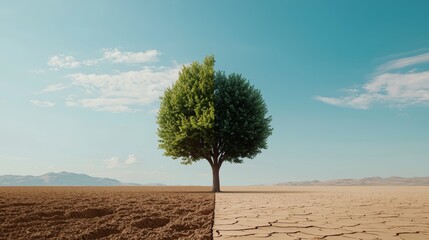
(332,213)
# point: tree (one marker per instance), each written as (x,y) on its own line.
(209,115)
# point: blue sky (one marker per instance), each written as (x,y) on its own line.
(346,82)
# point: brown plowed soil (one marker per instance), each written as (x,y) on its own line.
(106,213)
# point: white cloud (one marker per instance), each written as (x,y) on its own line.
(62,61)
(350,90)
(55,87)
(115,162)
(112,162)
(396,89)
(404,62)
(44,104)
(131,159)
(116,91)
(116,56)
(361,101)
(121,92)
(109,55)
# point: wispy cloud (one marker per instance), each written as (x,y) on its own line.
(358,101)
(115,162)
(404,62)
(114,55)
(112,162)
(55,87)
(397,88)
(121,92)
(131,159)
(44,104)
(62,61)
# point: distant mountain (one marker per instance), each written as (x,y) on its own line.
(60,179)
(373,181)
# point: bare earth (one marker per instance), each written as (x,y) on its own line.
(330,213)
(106,213)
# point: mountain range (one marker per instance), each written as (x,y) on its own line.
(75,179)
(63,179)
(372,181)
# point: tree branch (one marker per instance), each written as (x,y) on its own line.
(215,155)
(221,159)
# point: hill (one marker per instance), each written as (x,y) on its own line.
(60,179)
(373,181)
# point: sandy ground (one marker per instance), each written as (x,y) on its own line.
(330,213)
(106,213)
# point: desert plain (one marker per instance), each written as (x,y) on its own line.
(332,213)
(263,212)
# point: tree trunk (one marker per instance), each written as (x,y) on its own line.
(216,182)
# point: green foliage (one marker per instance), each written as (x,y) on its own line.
(208,115)
(186,115)
(241,125)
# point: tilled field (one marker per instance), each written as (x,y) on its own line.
(106,213)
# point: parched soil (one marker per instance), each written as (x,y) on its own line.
(328,213)
(106,213)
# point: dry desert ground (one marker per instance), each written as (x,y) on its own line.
(106,213)
(332,213)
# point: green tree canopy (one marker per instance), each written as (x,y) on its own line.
(241,125)
(186,115)
(208,115)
